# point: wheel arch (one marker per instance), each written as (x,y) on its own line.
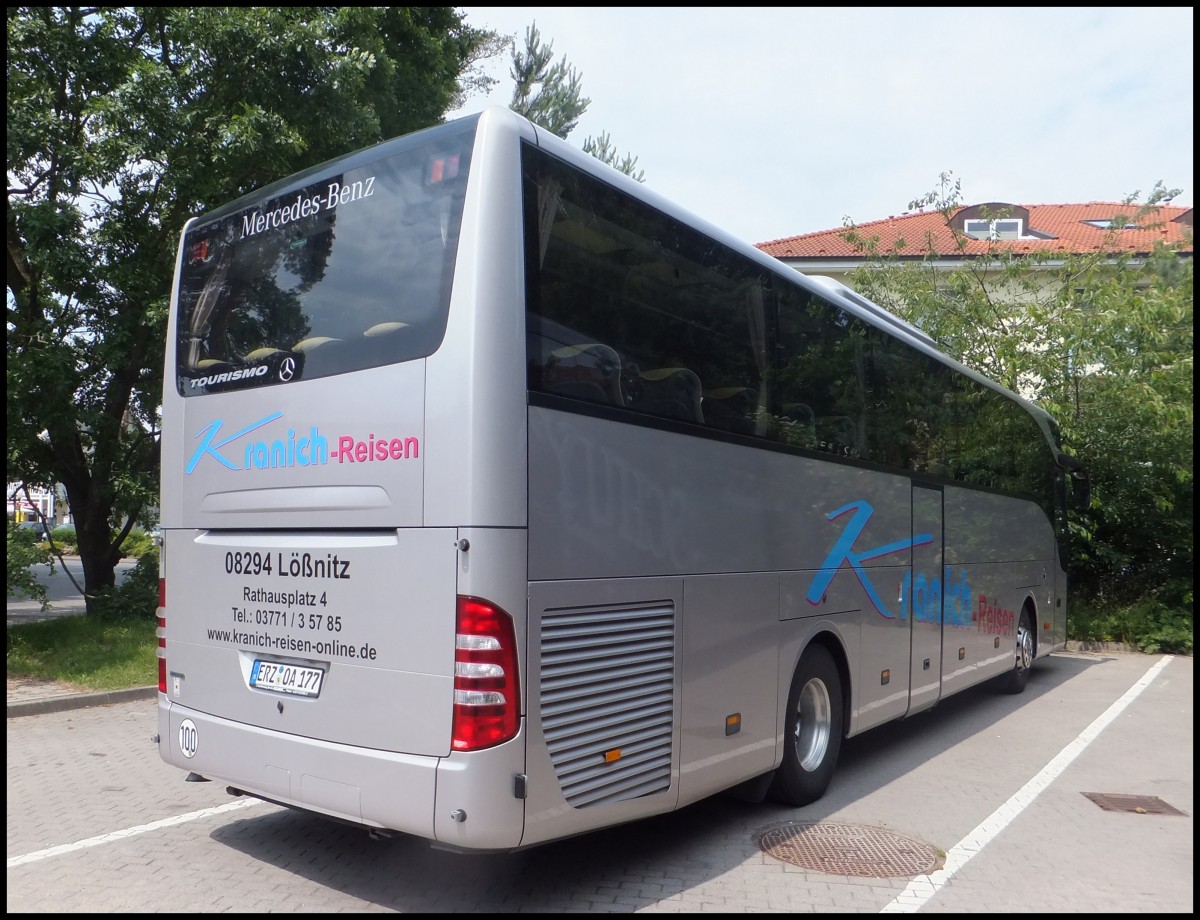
(837,650)
(1030,607)
(809,742)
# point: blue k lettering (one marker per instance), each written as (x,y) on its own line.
(843,552)
(207,445)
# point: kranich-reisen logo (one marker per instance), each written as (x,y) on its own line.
(920,594)
(239,452)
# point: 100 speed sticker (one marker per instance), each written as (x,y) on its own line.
(188,738)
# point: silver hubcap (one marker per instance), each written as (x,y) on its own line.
(812,727)
(1024,645)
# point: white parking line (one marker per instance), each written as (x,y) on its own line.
(924,887)
(130,832)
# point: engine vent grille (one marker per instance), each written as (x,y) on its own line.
(607,697)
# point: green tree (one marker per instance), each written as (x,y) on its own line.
(549,93)
(1103,341)
(122,123)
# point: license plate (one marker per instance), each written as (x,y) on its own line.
(286,678)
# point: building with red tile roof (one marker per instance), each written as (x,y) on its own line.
(1046,230)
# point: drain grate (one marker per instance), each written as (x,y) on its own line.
(1133,804)
(844,849)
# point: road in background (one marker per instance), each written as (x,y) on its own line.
(66,597)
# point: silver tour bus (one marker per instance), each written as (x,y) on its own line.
(504,500)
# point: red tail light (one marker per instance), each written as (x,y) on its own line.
(161,632)
(487,691)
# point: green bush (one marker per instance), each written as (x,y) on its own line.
(1149,624)
(64,538)
(137,544)
(136,597)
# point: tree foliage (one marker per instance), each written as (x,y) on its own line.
(122,123)
(1101,340)
(603,150)
(547,92)
(23,551)
(550,94)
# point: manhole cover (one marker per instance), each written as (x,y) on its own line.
(1133,804)
(844,849)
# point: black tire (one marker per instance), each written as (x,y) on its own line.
(812,730)
(1018,675)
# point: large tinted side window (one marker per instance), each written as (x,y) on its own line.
(999,444)
(908,398)
(818,375)
(630,308)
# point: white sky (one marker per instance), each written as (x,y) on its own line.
(775,122)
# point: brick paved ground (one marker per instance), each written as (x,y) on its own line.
(96,822)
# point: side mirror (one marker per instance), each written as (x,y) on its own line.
(1069,463)
(1081,490)
(1081,485)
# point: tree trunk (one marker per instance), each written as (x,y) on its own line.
(98,557)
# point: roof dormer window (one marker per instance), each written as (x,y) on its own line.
(1007,229)
(1113,223)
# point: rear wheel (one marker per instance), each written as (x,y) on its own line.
(1018,676)
(812,730)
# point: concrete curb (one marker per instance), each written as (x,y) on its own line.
(79,701)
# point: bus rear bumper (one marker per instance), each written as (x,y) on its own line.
(375,789)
